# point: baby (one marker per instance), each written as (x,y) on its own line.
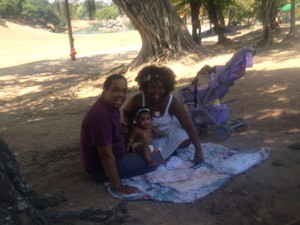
(140,139)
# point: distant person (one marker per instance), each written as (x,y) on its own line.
(102,144)
(141,136)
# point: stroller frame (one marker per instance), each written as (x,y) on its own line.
(200,103)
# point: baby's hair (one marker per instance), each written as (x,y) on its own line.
(153,72)
(141,111)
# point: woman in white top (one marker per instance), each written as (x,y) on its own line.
(168,113)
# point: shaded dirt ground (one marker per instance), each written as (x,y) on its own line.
(43,102)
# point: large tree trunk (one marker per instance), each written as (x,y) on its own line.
(292,35)
(213,17)
(21,205)
(267,37)
(293,18)
(196,25)
(163,33)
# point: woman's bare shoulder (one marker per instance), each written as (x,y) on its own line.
(176,101)
(176,105)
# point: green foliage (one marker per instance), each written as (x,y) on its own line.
(80,12)
(182,6)
(40,10)
(35,10)
(8,9)
(90,5)
(244,11)
(106,13)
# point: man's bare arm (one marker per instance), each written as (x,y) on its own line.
(110,166)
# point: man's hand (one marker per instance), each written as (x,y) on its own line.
(198,158)
(126,189)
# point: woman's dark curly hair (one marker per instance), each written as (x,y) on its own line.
(153,72)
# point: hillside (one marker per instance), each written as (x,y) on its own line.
(22,44)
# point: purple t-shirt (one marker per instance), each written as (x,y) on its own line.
(101,126)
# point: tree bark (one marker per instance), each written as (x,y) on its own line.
(292,35)
(267,37)
(163,33)
(293,18)
(196,25)
(213,17)
(21,205)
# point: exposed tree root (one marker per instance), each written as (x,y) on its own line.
(21,205)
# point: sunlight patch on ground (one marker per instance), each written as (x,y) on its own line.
(293,131)
(22,87)
(34,120)
(29,90)
(283,99)
(284,60)
(275,113)
(88,92)
(276,88)
(183,71)
(269,141)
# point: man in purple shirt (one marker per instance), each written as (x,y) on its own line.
(102,144)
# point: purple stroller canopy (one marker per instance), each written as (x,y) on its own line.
(234,69)
(216,88)
(236,66)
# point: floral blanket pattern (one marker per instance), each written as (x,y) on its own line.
(180,181)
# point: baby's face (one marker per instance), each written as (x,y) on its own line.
(144,120)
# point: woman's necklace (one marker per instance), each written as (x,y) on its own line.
(156,111)
(157,114)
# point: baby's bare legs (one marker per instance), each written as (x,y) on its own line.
(146,153)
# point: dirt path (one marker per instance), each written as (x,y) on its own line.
(42,104)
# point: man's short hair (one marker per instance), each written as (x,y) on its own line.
(109,79)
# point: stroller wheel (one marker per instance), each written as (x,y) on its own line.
(223,132)
(202,129)
(241,126)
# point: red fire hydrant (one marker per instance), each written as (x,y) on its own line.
(73,54)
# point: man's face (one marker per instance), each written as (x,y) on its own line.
(115,95)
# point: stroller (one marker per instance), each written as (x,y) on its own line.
(204,102)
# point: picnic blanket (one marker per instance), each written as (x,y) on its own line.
(180,181)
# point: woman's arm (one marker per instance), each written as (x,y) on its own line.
(184,118)
(159,133)
(132,138)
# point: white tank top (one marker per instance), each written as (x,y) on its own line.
(166,118)
(168,123)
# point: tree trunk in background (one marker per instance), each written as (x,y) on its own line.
(293,18)
(221,18)
(70,32)
(213,17)
(267,37)
(163,33)
(196,25)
